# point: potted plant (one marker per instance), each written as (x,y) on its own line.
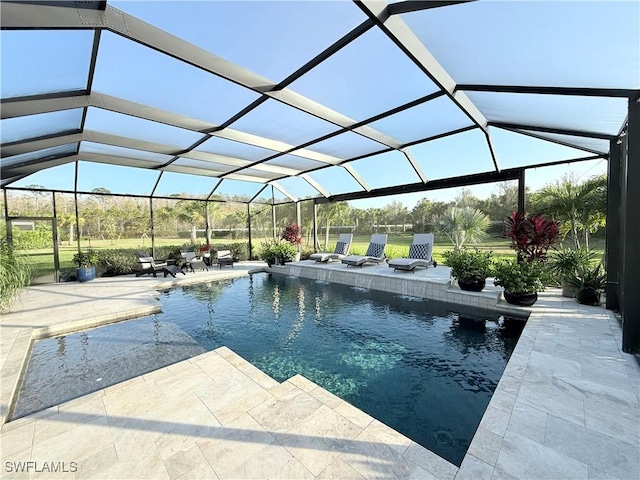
(237,250)
(268,252)
(565,263)
(285,252)
(521,281)
(470,267)
(86,265)
(277,252)
(589,283)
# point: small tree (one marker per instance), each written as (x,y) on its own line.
(463,225)
(578,206)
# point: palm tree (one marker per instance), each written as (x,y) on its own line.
(577,206)
(212,213)
(331,212)
(592,213)
(191,212)
(67,220)
(462,225)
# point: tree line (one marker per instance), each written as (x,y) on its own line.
(579,207)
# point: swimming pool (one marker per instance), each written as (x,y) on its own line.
(415,365)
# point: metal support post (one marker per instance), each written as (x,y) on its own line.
(56,253)
(630,232)
(315,225)
(6,217)
(249,227)
(612,247)
(153,229)
(521,190)
(273,214)
(299,222)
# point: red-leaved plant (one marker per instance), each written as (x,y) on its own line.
(531,236)
(292,233)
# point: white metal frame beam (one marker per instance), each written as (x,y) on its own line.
(395,28)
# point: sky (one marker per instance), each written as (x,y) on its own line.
(366,77)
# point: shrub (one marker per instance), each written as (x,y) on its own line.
(292,233)
(566,261)
(519,277)
(286,251)
(531,236)
(123,261)
(589,282)
(168,252)
(589,277)
(238,249)
(117,261)
(268,252)
(272,250)
(306,253)
(469,265)
(31,239)
(14,274)
(86,259)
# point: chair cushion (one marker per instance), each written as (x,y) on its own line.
(188,256)
(341,248)
(419,250)
(375,250)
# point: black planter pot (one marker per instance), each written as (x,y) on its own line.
(472,285)
(521,299)
(588,296)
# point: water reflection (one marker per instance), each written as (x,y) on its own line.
(276,302)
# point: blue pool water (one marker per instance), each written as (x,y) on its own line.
(416,365)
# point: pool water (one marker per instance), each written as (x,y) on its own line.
(416,365)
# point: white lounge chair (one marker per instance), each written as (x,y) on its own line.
(375,252)
(420,253)
(343,245)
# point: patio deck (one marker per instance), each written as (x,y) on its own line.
(567,405)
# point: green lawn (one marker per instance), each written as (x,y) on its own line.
(397,246)
(43,264)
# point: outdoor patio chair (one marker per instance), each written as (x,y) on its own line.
(147,265)
(224,258)
(191,262)
(375,252)
(343,245)
(420,252)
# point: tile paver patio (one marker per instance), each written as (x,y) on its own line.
(567,406)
